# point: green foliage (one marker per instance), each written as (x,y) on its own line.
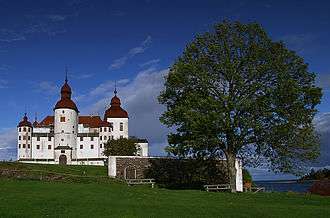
(247,176)
(120,147)
(186,173)
(317,175)
(236,93)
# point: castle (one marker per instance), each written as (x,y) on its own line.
(70,138)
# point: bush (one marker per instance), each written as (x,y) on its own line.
(247,178)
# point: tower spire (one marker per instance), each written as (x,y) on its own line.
(66,74)
(115,88)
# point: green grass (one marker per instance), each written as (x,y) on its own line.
(30,198)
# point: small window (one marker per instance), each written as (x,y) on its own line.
(29,130)
(62,152)
(101,129)
(100,137)
(121,127)
(100,145)
(92,138)
(24,129)
(38,138)
(81,138)
(92,146)
(121,137)
(29,138)
(112,137)
(62,140)
(73,132)
(38,146)
(23,145)
(49,139)
(81,146)
(111,126)
(63,112)
(19,137)
(62,119)
(29,146)
(49,147)
(24,137)
(62,131)
(105,129)
(19,145)
(19,129)
(105,137)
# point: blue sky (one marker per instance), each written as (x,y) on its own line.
(133,43)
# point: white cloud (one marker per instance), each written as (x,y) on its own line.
(300,43)
(47,87)
(139,98)
(150,63)
(7,35)
(3,84)
(8,141)
(118,63)
(322,122)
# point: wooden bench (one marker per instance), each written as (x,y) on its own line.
(141,182)
(255,189)
(217,187)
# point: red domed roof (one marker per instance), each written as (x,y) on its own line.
(25,122)
(65,101)
(115,111)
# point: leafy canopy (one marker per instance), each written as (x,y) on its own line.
(234,91)
(120,147)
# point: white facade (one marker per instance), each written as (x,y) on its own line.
(68,138)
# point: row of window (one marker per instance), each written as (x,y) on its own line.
(37,146)
(91,146)
(29,138)
(24,129)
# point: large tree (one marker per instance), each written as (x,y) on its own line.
(120,147)
(235,93)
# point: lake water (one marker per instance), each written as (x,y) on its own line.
(285,186)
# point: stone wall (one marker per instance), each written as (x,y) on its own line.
(169,170)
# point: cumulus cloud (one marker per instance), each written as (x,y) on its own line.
(120,62)
(139,98)
(322,124)
(47,87)
(152,62)
(8,141)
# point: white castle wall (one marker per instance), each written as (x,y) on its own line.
(43,152)
(87,151)
(116,132)
(65,133)
(24,140)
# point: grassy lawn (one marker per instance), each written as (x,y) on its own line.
(31,198)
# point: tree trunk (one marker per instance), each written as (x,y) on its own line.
(231,159)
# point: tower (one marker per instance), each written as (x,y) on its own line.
(24,129)
(117,117)
(65,126)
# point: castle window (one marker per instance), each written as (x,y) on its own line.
(19,137)
(38,138)
(105,129)
(19,145)
(92,146)
(38,147)
(23,145)
(49,139)
(105,137)
(81,138)
(112,137)
(19,129)
(63,112)
(92,138)
(62,131)
(121,128)
(62,140)
(73,132)
(81,146)
(111,126)
(24,129)
(29,146)
(100,137)
(62,119)
(24,137)
(100,145)
(29,138)
(62,152)
(29,129)
(121,136)
(49,147)
(101,129)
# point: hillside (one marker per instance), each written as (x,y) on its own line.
(87,197)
